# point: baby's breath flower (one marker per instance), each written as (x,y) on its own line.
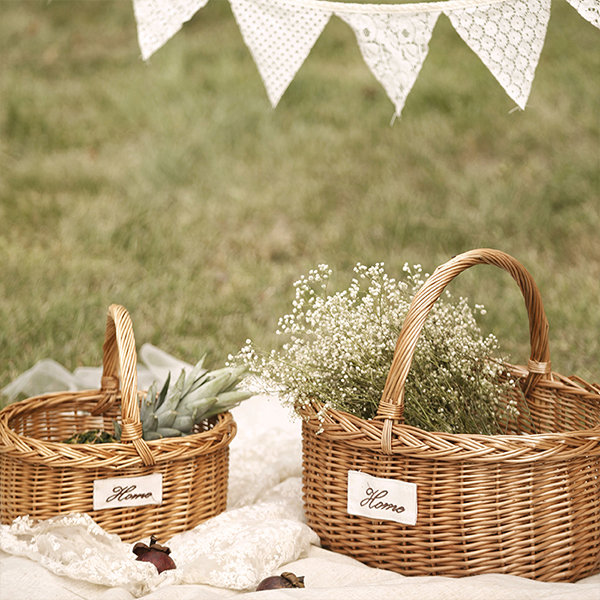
(338,349)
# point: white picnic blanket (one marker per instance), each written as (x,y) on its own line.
(262,533)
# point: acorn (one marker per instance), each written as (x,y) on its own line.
(154,553)
(285,580)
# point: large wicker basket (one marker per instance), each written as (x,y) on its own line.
(526,504)
(41,476)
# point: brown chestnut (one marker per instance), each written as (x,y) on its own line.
(285,580)
(154,553)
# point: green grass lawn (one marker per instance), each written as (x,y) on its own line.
(173,188)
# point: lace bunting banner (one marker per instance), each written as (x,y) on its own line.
(158,21)
(279,37)
(507,35)
(508,38)
(394,48)
(588,9)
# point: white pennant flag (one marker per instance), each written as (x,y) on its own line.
(508,38)
(279,37)
(394,47)
(588,9)
(158,21)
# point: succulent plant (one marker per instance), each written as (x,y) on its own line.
(195,396)
(176,410)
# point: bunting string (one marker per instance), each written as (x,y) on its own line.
(507,36)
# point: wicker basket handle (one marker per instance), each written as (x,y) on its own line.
(119,357)
(391,405)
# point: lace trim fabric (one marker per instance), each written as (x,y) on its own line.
(256,468)
(588,9)
(234,550)
(241,547)
(507,35)
(508,38)
(75,546)
(394,48)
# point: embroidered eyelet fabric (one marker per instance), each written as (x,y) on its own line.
(279,37)
(158,21)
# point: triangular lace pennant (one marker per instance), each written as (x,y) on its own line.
(279,37)
(508,38)
(158,21)
(394,47)
(588,9)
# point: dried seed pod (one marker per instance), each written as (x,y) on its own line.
(91,436)
(154,553)
(285,580)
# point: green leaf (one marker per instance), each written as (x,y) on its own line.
(192,378)
(213,387)
(168,432)
(167,418)
(150,398)
(150,422)
(184,423)
(226,402)
(163,392)
(231,399)
(200,405)
(174,396)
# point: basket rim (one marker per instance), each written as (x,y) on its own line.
(114,455)
(416,443)
(593,431)
(339,426)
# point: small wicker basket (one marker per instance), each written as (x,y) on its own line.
(41,476)
(526,504)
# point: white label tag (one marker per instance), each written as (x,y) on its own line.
(117,492)
(382,499)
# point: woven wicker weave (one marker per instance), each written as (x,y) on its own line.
(526,504)
(41,477)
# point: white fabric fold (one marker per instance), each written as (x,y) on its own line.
(158,21)
(279,37)
(234,550)
(508,38)
(75,546)
(588,9)
(239,548)
(48,376)
(394,47)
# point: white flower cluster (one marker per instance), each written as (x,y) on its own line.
(339,347)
